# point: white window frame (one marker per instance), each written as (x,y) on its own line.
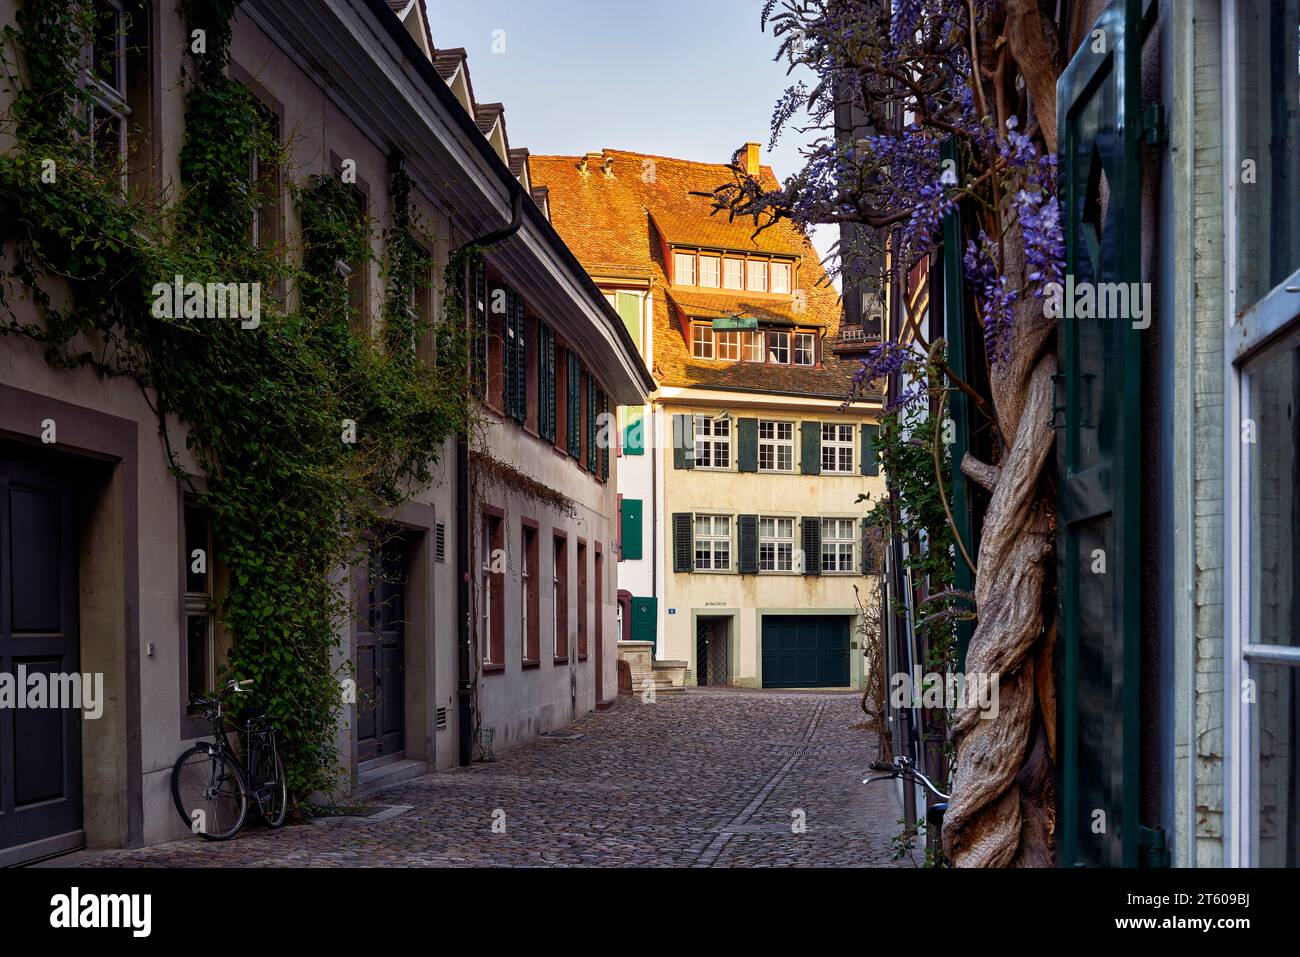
(838,546)
(679,277)
(810,348)
(702,340)
(775,443)
(1269,327)
(783,338)
(785,270)
(717,540)
(715,265)
(840,449)
(775,545)
(728,261)
(109,99)
(751,346)
(727,345)
(756,275)
(713,436)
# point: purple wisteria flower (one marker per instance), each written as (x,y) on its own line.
(993,294)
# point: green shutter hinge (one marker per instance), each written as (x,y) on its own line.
(1153,850)
(1154,128)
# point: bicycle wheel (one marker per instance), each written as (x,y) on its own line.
(210,793)
(273,787)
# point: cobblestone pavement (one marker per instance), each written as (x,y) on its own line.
(709,778)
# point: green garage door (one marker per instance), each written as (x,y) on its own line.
(805,651)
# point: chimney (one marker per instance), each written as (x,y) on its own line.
(590,163)
(751,158)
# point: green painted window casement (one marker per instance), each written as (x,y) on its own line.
(870,452)
(546,382)
(573,394)
(593,453)
(869,565)
(683,542)
(1097,406)
(629,310)
(645,614)
(810,449)
(812,545)
(604,448)
(747,542)
(514,358)
(683,441)
(747,445)
(634,431)
(631,528)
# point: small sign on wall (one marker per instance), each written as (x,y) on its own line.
(672,611)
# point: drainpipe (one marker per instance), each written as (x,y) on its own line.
(464,669)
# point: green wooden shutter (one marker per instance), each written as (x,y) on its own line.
(867,559)
(645,616)
(684,441)
(632,528)
(683,542)
(870,454)
(812,546)
(478,305)
(629,309)
(593,453)
(521,360)
(634,431)
(552,413)
(609,430)
(747,445)
(810,448)
(1099,454)
(545,383)
(573,441)
(747,544)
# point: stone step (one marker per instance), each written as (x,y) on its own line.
(387,774)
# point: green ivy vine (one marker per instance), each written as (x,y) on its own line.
(307,429)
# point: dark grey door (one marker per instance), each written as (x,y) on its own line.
(40,748)
(381,630)
(711,664)
(805,651)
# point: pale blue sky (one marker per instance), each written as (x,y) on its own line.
(687,78)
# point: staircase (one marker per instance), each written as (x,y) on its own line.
(669,677)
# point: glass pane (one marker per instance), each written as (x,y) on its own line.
(1274,506)
(198,563)
(1276,796)
(198,639)
(1268,130)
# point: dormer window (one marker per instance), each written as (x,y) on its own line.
(710,272)
(805,349)
(757,275)
(778,347)
(780,277)
(733,273)
(684,269)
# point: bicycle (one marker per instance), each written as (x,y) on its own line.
(212,786)
(905,768)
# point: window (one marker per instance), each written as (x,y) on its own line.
(733,273)
(264,174)
(712,543)
(710,271)
(712,443)
(492,591)
(702,341)
(358,271)
(775,544)
(200,607)
(775,446)
(751,346)
(756,275)
(728,345)
(528,596)
(560,598)
(780,277)
(778,347)
(684,269)
(582,600)
(805,348)
(629,310)
(837,544)
(106,83)
(837,448)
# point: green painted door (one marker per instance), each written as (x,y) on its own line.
(1098,451)
(645,612)
(805,651)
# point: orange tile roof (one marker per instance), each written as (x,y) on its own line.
(618,227)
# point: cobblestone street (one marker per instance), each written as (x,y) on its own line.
(711,778)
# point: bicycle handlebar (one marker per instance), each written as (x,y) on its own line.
(903,768)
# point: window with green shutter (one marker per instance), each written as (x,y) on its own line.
(629,309)
(810,448)
(593,453)
(812,546)
(634,430)
(478,313)
(573,440)
(632,525)
(870,453)
(683,542)
(747,445)
(605,443)
(684,441)
(747,544)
